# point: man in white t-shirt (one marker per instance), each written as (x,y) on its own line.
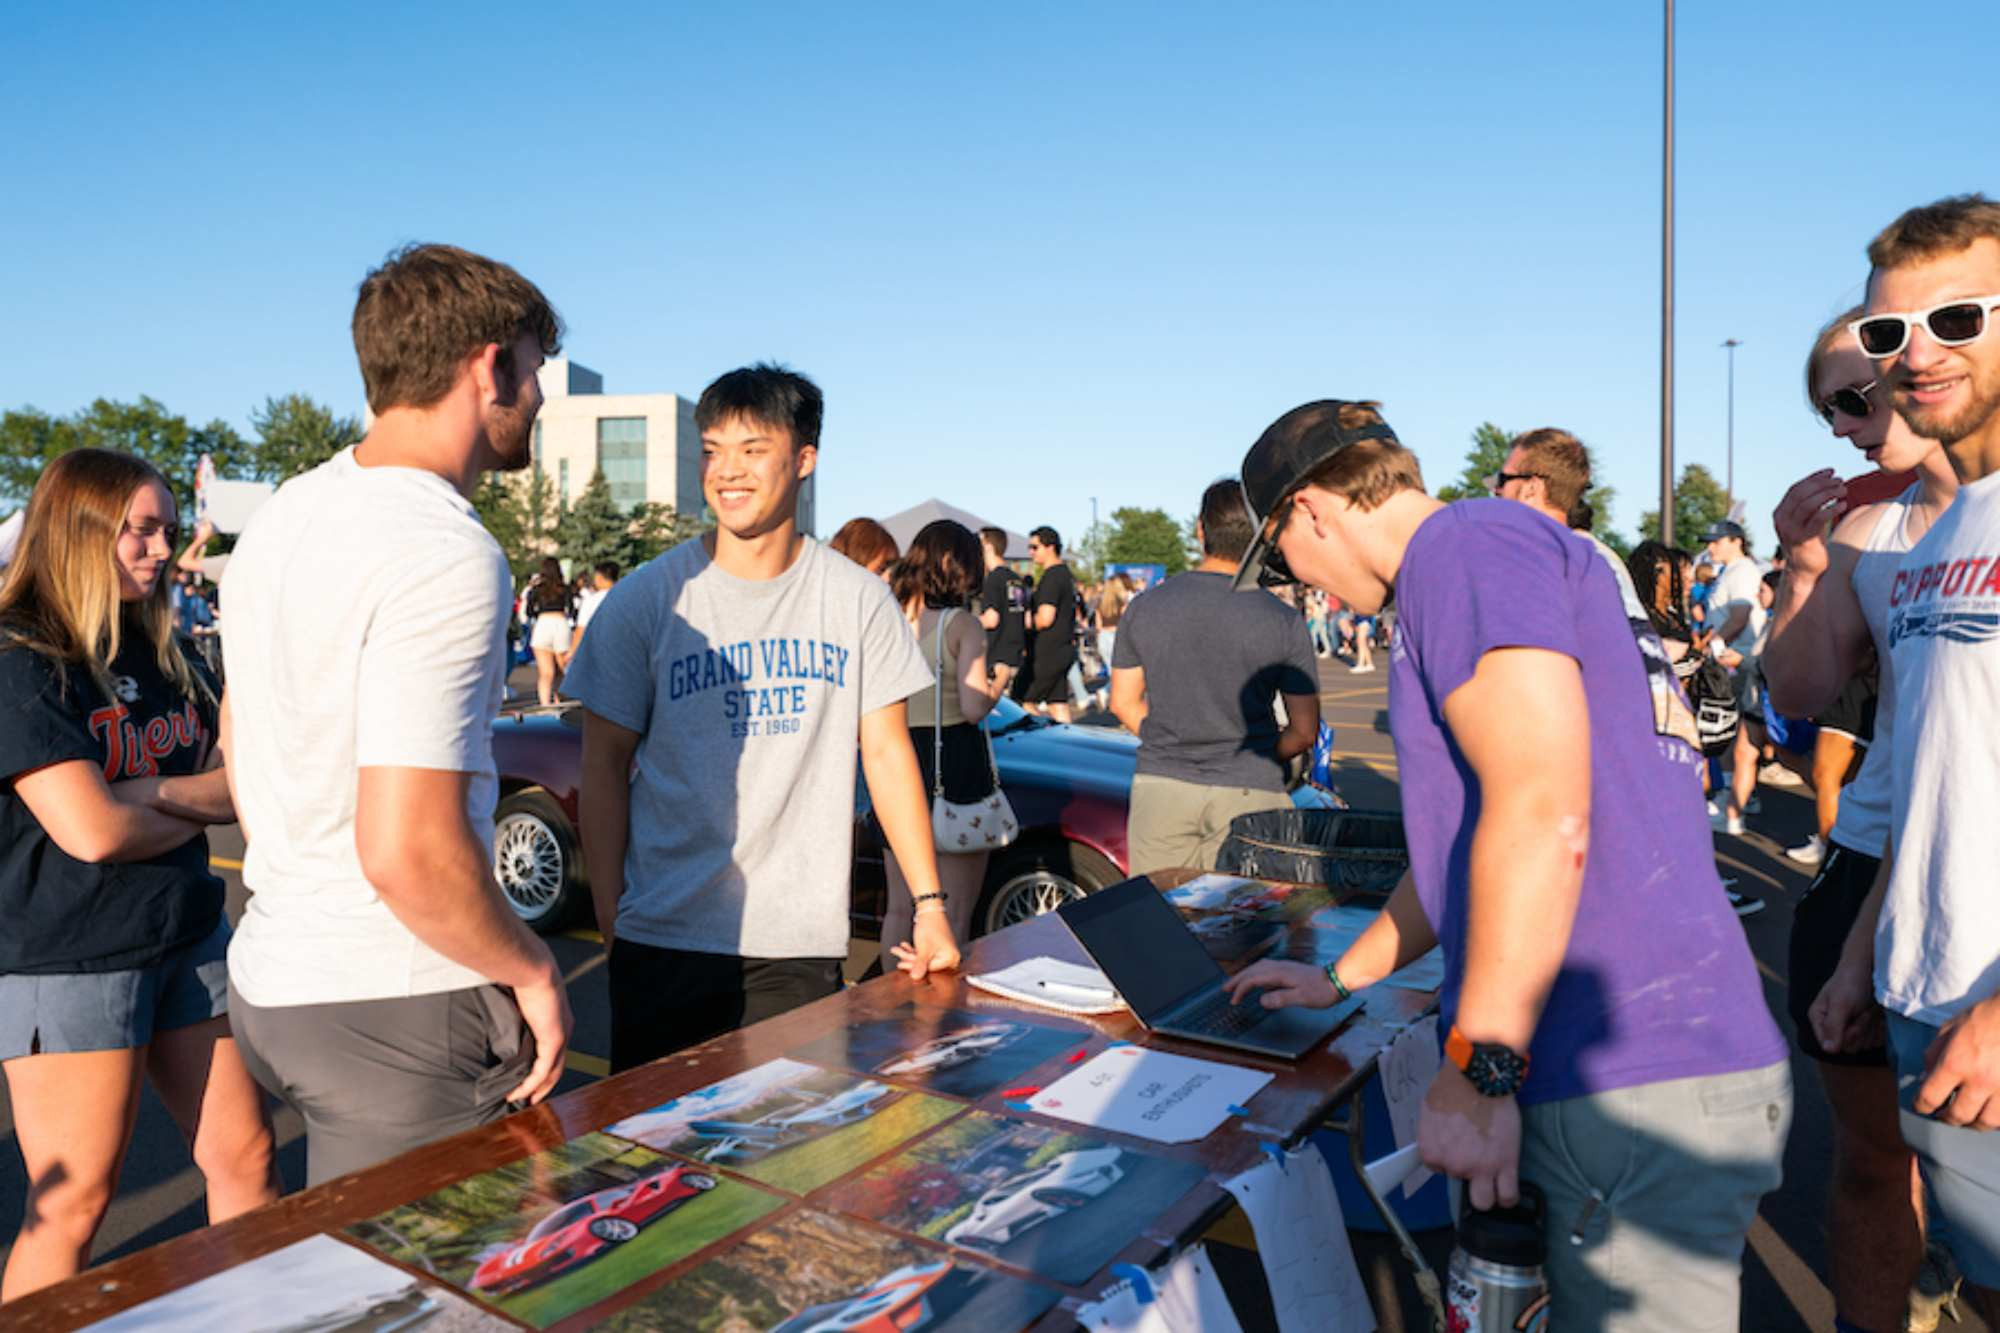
(379,983)
(1733,609)
(1934,952)
(727,687)
(602,576)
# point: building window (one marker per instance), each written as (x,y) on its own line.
(562,481)
(538,446)
(621,456)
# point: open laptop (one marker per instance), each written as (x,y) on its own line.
(1171,984)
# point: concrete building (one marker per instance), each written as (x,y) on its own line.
(646,443)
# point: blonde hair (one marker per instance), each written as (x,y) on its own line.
(1560,460)
(1833,334)
(60,595)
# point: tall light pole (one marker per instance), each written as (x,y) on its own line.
(1729,486)
(1667,298)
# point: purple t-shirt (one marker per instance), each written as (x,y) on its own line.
(1658,982)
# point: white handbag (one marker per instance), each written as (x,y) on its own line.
(984,825)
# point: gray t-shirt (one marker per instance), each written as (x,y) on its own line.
(1215,661)
(748,697)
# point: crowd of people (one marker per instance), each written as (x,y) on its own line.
(1606,1033)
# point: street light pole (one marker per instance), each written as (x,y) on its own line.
(1667,296)
(1730,485)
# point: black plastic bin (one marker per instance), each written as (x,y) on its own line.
(1355,851)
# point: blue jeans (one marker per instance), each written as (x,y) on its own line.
(1961,1166)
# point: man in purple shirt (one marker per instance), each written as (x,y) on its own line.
(1607,1038)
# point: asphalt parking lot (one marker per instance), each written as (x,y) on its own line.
(160,1196)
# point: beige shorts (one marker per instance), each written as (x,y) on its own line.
(551,634)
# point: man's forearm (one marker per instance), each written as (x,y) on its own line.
(1526,876)
(606,819)
(441,887)
(896,786)
(1399,936)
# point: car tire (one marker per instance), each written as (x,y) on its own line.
(1031,878)
(537,861)
(698,1182)
(1061,1198)
(613,1230)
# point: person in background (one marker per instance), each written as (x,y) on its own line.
(1925,947)
(1210,743)
(868,544)
(1607,1044)
(546,607)
(1111,603)
(1548,470)
(933,583)
(726,687)
(379,983)
(1051,628)
(602,577)
(112,960)
(1003,603)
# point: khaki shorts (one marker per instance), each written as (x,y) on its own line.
(1172,823)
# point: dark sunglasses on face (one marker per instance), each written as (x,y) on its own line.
(1852,401)
(1953,324)
(1499,480)
(1275,573)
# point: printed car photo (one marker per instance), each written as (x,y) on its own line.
(955,1048)
(580,1231)
(1068,1180)
(894,1303)
(739,1142)
(1070,787)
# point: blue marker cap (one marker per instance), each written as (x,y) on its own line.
(1142,1282)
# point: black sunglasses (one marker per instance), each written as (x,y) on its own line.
(1852,400)
(1274,572)
(1498,481)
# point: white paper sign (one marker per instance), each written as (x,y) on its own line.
(1406,1070)
(1302,1238)
(1149,1094)
(1185,1295)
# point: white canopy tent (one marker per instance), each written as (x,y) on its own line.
(905,526)
(10,536)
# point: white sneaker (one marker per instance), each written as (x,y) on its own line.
(1360,670)
(1723,822)
(1808,853)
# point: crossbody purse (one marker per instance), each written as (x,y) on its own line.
(984,825)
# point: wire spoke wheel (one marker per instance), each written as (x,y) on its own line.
(1034,894)
(528,862)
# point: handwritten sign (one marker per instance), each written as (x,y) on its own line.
(1302,1239)
(1406,1070)
(1149,1094)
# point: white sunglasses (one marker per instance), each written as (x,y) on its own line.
(1951,324)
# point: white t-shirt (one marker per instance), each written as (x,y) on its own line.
(586,606)
(367,628)
(1863,823)
(1736,585)
(1937,948)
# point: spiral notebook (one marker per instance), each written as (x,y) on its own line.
(1050,983)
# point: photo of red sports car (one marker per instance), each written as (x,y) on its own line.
(580,1231)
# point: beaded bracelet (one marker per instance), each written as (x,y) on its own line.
(1339,987)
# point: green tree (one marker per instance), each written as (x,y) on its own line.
(1699,501)
(522,515)
(652,528)
(31,440)
(1482,460)
(296,434)
(1146,537)
(592,529)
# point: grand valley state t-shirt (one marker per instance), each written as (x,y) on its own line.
(1658,982)
(748,696)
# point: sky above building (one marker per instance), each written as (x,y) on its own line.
(1035,254)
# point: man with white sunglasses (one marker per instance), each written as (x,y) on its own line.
(1934,953)
(1833,601)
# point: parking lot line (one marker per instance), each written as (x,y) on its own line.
(588,936)
(593,1065)
(223,863)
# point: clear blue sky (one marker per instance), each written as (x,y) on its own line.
(1034,253)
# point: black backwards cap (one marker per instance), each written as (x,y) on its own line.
(1288,452)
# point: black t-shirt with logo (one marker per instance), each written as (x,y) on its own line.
(64,915)
(1006,592)
(1056,587)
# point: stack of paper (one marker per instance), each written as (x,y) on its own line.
(1069,988)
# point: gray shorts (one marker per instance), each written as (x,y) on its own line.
(114,1011)
(375,1078)
(1651,1192)
(1961,1166)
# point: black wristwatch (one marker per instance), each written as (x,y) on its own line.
(1493,1070)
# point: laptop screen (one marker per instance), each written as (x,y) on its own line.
(1142,945)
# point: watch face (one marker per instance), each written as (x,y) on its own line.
(1495,1071)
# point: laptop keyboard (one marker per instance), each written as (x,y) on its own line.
(1217,1017)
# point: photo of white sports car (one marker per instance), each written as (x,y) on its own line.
(1067,1180)
(955,1048)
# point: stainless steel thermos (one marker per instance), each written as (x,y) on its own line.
(1495,1283)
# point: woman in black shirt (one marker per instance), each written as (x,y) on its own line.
(112,962)
(548,607)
